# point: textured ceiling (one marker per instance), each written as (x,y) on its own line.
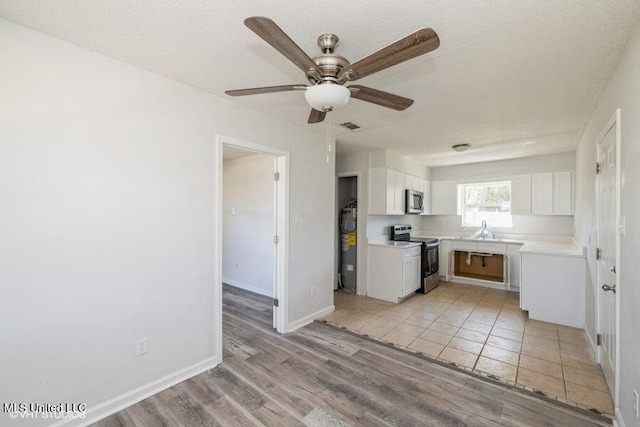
(511,78)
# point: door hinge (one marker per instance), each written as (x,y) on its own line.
(276,176)
(276,303)
(598,253)
(598,168)
(276,239)
(598,339)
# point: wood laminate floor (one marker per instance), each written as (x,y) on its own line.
(322,376)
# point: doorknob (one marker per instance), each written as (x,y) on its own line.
(612,269)
(609,288)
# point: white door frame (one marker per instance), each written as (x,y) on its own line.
(281,279)
(614,121)
(360,230)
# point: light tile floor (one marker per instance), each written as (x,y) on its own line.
(484,330)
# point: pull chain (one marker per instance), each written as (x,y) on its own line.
(328,121)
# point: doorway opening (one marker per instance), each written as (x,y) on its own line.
(608,182)
(348,233)
(251,228)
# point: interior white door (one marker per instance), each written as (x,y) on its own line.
(606,265)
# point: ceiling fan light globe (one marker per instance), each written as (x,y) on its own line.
(327,97)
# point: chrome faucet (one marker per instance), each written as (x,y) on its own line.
(484,233)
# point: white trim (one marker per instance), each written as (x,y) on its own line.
(111,406)
(247,287)
(281,275)
(589,335)
(217,246)
(310,318)
(614,120)
(360,231)
(618,421)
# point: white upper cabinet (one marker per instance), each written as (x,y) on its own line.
(542,193)
(426,190)
(551,193)
(521,195)
(563,193)
(444,197)
(386,192)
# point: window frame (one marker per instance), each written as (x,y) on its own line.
(462,185)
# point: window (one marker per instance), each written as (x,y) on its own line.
(489,201)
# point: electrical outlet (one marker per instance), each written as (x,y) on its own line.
(142,346)
(636,404)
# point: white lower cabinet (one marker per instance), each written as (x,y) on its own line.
(410,275)
(552,288)
(394,273)
(444,254)
(513,252)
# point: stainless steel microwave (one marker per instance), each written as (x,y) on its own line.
(414,202)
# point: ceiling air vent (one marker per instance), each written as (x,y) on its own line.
(350,126)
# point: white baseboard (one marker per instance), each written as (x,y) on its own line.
(589,335)
(246,287)
(111,406)
(310,318)
(618,421)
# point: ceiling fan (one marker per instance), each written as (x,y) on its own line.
(328,72)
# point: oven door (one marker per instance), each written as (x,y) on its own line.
(430,258)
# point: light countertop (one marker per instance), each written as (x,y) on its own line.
(392,244)
(544,245)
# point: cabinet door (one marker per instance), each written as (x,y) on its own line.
(391,192)
(562,193)
(443,259)
(398,192)
(521,195)
(513,252)
(444,197)
(378,191)
(410,275)
(426,189)
(542,194)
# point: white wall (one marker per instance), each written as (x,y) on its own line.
(622,91)
(525,165)
(248,223)
(522,224)
(107,222)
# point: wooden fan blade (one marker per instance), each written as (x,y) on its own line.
(379,97)
(280,41)
(316,116)
(267,89)
(415,44)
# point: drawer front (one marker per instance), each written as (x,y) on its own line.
(411,252)
(465,246)
(494,248)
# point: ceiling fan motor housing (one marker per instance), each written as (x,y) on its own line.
(330,65)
